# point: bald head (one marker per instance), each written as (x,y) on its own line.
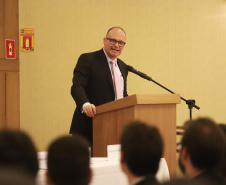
(115,27)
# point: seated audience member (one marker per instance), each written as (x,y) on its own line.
(203,145)
(12,176)
(68,161)
(222,167)
(141,151)
(18,151)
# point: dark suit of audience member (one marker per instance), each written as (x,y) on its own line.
(203,145)
(18,151)
(184,182)
(141,151)
(68,161)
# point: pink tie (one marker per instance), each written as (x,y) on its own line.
(116,81)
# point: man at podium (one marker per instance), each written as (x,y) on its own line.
(99,77)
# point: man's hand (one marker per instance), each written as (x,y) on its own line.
(90,110)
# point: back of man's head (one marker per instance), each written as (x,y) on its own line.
(68,161)
(204,142)
(142,148)
(18,151)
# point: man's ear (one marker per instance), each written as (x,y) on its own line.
(47,178)
(184,153)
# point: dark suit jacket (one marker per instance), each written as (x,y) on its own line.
(92,82)
(209,177)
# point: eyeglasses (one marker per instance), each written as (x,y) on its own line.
(113,42)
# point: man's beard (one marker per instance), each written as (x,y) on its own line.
(182,168)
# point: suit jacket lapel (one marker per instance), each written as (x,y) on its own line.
(122,69)
(105,68)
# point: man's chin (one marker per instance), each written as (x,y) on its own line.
(115,53)
(114,56)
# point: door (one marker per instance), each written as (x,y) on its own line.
(9,68)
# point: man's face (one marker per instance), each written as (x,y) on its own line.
(114,50)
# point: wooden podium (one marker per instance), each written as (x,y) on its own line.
(158,110)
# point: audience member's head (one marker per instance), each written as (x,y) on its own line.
(68,161)
(18,151)
(203,146)
(141,149)
(11,176)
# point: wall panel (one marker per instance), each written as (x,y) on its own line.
(9,68)
(12,100)
(2,29)
(12,23)
(2,100)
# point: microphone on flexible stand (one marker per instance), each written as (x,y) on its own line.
(131,69)
(190,103)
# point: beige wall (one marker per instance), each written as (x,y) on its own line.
(179,43)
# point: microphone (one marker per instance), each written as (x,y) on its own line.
(131,69)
